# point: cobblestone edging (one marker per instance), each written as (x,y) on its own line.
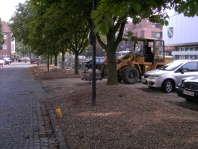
(58,132)
(45,134)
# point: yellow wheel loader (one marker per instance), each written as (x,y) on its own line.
(147,54)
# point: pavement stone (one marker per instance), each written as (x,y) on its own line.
(25,121)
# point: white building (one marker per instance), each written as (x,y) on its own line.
(182,33)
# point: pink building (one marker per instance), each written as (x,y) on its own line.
(147,29)
(8,47)
(144,29)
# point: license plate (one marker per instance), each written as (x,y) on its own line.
(143,80)
(188,93)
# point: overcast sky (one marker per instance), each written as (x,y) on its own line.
(7,8)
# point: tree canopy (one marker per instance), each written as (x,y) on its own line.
(63,24)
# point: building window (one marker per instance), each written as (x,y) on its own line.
(5,37)
(186,49)
(4,46)
(156,34)
(156,26)
(142,33)
(153,25)
(182,49)
(5,55)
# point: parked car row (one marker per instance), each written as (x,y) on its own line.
(2,62)
(5,61)
(34,60)
(8,61)
(180,76)
(99,62)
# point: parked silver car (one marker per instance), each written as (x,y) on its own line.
(2,62)
(168,76)
(188,88)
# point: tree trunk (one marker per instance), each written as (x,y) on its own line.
(63,60)
(112,67)
(110,49)
(55,59)
(76,63)
(50,60)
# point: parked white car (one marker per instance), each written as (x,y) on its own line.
(168,76)
(2,62)
(121,53)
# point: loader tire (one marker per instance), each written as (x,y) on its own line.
(119,78)
(130,75)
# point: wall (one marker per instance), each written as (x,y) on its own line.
(185,31)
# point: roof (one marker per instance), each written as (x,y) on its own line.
(5,27)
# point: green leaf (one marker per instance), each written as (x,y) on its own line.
(105,29)
(95,14)
(109,20)
(98,19)
(97,28)
(136,6)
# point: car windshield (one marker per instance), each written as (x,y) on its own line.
(118,54)
(171,66)
(100,60)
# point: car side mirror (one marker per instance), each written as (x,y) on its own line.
(183,70)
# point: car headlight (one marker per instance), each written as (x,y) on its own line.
(154,77)
(181,83)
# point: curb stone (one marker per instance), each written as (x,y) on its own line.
(58,132)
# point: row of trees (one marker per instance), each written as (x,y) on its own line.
(1,36)
(54,26)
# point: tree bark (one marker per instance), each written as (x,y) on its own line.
(76,63)
(63,60)
(55,59)
(111,60)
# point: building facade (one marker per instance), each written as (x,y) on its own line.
(181,36)
(147,29)
(144,29)
(8,47)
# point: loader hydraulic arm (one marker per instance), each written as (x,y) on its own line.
(125,60)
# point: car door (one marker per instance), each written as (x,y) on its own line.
(187,70)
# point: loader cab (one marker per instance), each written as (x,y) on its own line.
(147,47)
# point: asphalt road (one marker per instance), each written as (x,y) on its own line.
(24,121)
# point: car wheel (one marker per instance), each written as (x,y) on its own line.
(167,86)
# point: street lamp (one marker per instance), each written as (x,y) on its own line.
(94,62)
(92,40)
